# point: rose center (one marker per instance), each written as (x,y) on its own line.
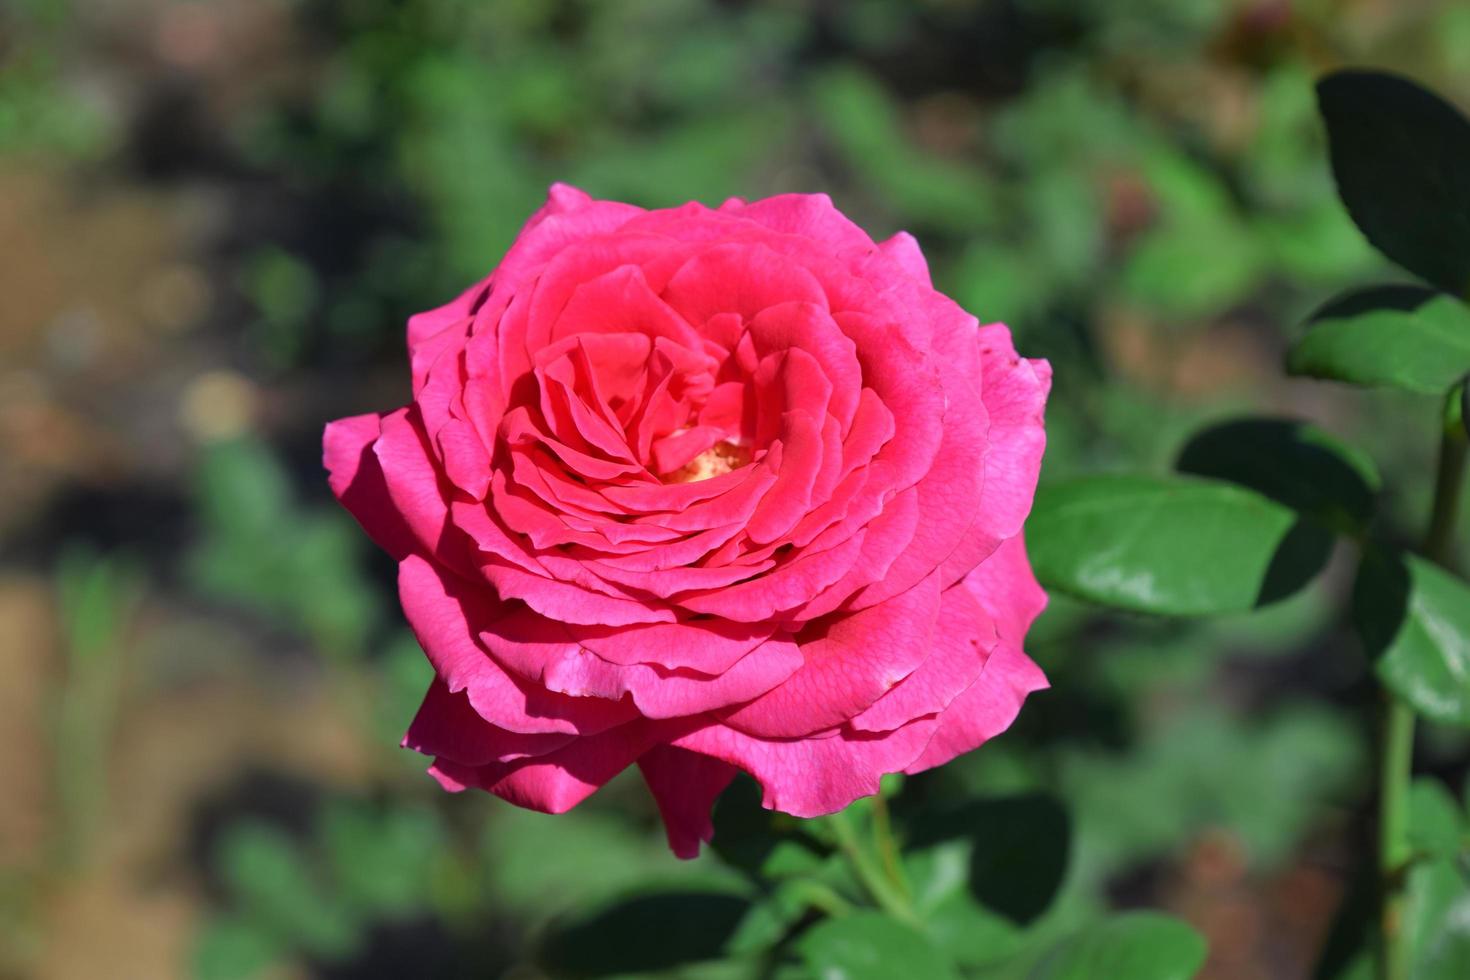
(722,457)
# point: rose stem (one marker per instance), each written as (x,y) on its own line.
(887,897)
(1398,722)
(887,847)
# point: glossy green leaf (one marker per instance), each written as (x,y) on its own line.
(1170,545)
(1403,337)
(1414,618)
(871,946)
(1294,463)
(1401,156)
(1136,945)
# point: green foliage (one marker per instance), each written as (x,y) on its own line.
(40,112)
(760,842)
(870,946)
(1398,153)
(285,292)
(1171,546)
(1435,820)
(866,128)
(1144,544)
(1264,779)
(983,873)
(1403,337)
(1414,618)
(231,949)
(382,862)
(1139,945)
(1439,919)
(269,876)
(1016,850)
(1201,257)
(551,864)
(1294,463)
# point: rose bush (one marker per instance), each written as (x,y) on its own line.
(706,490)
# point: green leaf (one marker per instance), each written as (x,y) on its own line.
(1403,337)
(1401,156)
(1192,270)
(767,922)
(645,933)
(1018,850)
(1293,463)
(1414,618)
(982,873)
(1436,824)
(1136,945)
(963,929)
(871,946)
(1170,545)
(1439,921)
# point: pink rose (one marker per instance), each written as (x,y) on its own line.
(706,490)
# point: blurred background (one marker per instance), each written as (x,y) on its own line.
(216,215)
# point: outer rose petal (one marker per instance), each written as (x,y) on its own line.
(985,710)
(357,480)
(962,641)
(446,614)
(558,781)
(905,253)
(684,785)
(809,777)
(446,725)
(1007,589)
(1015,394)
(808,215)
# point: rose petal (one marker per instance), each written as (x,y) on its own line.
(986,709)
(810,777)
(357,480)
(852,661)
(685,785)
(446,614)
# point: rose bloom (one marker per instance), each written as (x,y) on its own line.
(706,491)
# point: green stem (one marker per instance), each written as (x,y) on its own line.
(1440,538)
(821,897)
(1396,763)
(888,847)
(882,890)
